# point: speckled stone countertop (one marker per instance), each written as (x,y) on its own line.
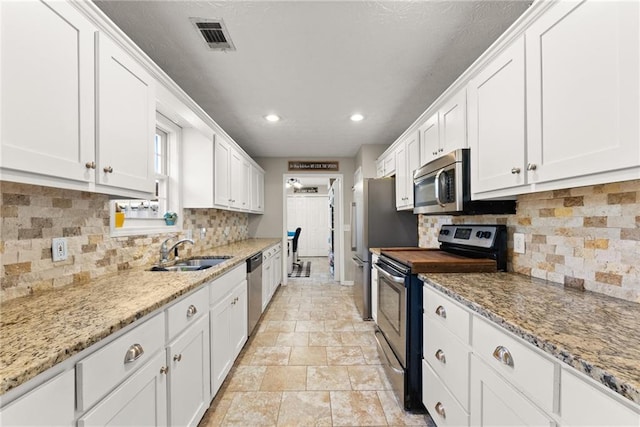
(596,334)
(44,329)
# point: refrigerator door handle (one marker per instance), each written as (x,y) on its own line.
(354,227)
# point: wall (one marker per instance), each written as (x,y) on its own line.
(584,237)
(30,216)
(366,158)
(270,224)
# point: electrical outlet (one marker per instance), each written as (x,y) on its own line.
(59,249)
(518,243)
(203,232)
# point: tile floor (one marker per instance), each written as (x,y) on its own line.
(311,362)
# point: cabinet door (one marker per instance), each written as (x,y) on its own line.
(257,190)
(47,111)
(582,89)
(54,401)
(453,123)
(222,156)
(497,122)
(277,267)
(401,176)
(389,164)
(188,358)
(413,163)
(429,139)
(245,191)
(126,120)
(220,324)
(238,333)
(495,402)
(236,179)
(197,169)
(266,281)
(139,401)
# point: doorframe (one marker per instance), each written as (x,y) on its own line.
(338,256)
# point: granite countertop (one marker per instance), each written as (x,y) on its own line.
(596,334)
(44,329)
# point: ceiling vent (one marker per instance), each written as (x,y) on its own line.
(214,33)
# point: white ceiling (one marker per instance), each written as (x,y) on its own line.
(315,63)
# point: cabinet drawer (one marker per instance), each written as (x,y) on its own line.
(449,358)
(442,406)
(100,372)
(221,286)
(187,311)
(519,364)
(448,313)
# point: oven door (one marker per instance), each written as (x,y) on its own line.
(392,310)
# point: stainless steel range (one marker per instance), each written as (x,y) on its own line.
(463,248)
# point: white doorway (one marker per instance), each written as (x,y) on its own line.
(312,213)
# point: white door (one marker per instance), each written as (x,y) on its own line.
(126,120)
(582,89)
(47,89)
(310,214)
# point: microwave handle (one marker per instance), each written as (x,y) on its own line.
(437,187)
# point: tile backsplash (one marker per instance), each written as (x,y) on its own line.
(30,216)
(584,237)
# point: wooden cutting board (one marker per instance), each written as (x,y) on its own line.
(437,261)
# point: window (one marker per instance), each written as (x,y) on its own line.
(147,216)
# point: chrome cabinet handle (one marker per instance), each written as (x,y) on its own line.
(515,171)
(440,311)
(133,353)
(440,410)
(502,354)
(191,311)
(532,167)
(440,356)
(441,150)
(177,357)
(107,169)
(90,165)
(164,370)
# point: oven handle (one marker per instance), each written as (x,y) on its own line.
(389,363)
(437,187)
(391,277)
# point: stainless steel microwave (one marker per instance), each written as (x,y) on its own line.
(443,186)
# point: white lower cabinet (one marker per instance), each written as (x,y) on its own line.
(54,401)
(441,404)
(188,361)
(374,289)
(228,323)
(271,272)
(140,400)
(495,402)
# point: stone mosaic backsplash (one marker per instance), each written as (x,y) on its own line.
(584,237)
(30,216)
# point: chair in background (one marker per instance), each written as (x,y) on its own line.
(296,236)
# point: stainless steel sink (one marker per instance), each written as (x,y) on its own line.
(193,264)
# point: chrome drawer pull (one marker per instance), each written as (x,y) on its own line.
(134,353)
(440,356)
(440,410)
(503,355)
(164,370)
(440,311)
(177,357)
(191,311)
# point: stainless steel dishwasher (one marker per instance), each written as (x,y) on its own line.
(254,279)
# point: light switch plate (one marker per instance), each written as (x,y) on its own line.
(59,249)
(518,243)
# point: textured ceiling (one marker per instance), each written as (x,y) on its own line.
(315,63)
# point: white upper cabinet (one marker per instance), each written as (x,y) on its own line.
(47,90)
(257,190)
(429,139)
(445,130)
(221,184)
(582,89)
(497,122)
(126,120)
(407,158)
(197,176)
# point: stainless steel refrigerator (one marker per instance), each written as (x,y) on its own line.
(375,223)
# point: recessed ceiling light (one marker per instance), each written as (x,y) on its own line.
(272,118)
(357,117)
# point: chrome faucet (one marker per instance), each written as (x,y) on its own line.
(164,252)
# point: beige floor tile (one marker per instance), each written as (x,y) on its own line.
(308,408)
(266,356)
(284,378)
(246,378)
(397,416)
(356,408)
(217,411)
(325,339)
(345,356)
(338,325)
(293,339)
(308,356)
(367,378)
(328,378)
(264,339)
(371,355)
(278,326)
(364,326)
(274,315)
(253,408)
(358,338)
(297,315)
(309,326)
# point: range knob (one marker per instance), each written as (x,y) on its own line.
(445,232)
(479,234)
(486,234)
